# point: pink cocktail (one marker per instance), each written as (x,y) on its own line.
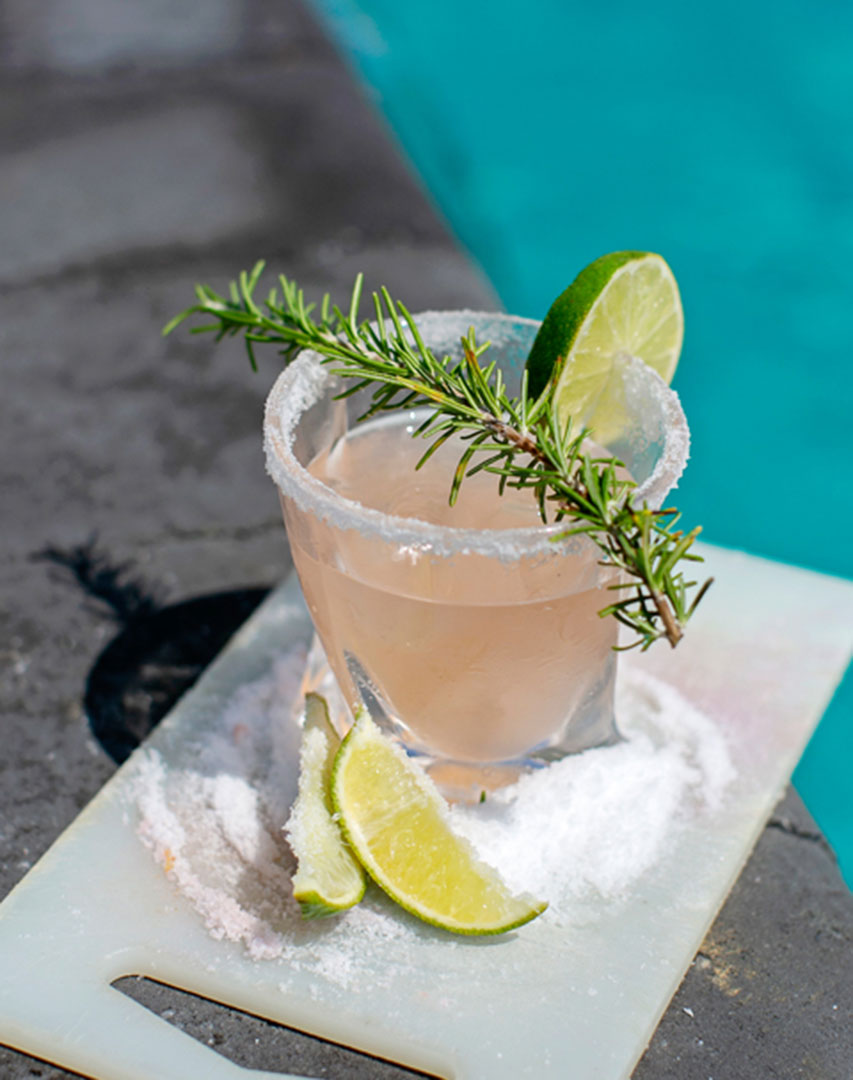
(471,632)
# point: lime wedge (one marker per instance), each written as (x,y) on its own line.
(397,824)
(328,879)
(623,303)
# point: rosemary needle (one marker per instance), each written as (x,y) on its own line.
(519,439)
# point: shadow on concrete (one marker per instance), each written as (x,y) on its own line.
(159,652)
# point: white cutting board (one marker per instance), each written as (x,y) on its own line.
(762,659)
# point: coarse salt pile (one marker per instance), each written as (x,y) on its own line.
(579,833)
(583,830)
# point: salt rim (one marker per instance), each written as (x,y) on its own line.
(304,381)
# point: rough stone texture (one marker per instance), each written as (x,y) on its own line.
(150,145)
(770,993)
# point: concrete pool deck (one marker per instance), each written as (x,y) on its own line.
(144,149)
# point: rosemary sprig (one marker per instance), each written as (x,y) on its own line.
(519,439)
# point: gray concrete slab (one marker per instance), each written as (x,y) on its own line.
(148,146)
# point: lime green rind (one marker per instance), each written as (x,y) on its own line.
(526,908)
(329,879)
(566,316)
(314,906)
(466,931)
(340,888)
(530,913)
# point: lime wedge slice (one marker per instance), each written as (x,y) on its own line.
(623,303)
(328,879)
(397,824)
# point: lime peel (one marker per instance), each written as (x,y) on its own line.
(626,302)
(398,825)
(328,879)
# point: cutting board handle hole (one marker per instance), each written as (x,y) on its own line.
(255,1043)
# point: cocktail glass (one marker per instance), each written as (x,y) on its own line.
(479,649)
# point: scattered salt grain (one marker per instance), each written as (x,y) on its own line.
(579,833)
(586,828)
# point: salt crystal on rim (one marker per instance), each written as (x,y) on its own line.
(303,383)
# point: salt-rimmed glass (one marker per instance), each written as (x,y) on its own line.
(480,649)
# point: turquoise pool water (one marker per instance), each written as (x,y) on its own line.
(722,137)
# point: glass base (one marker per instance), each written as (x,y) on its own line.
(593,725)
